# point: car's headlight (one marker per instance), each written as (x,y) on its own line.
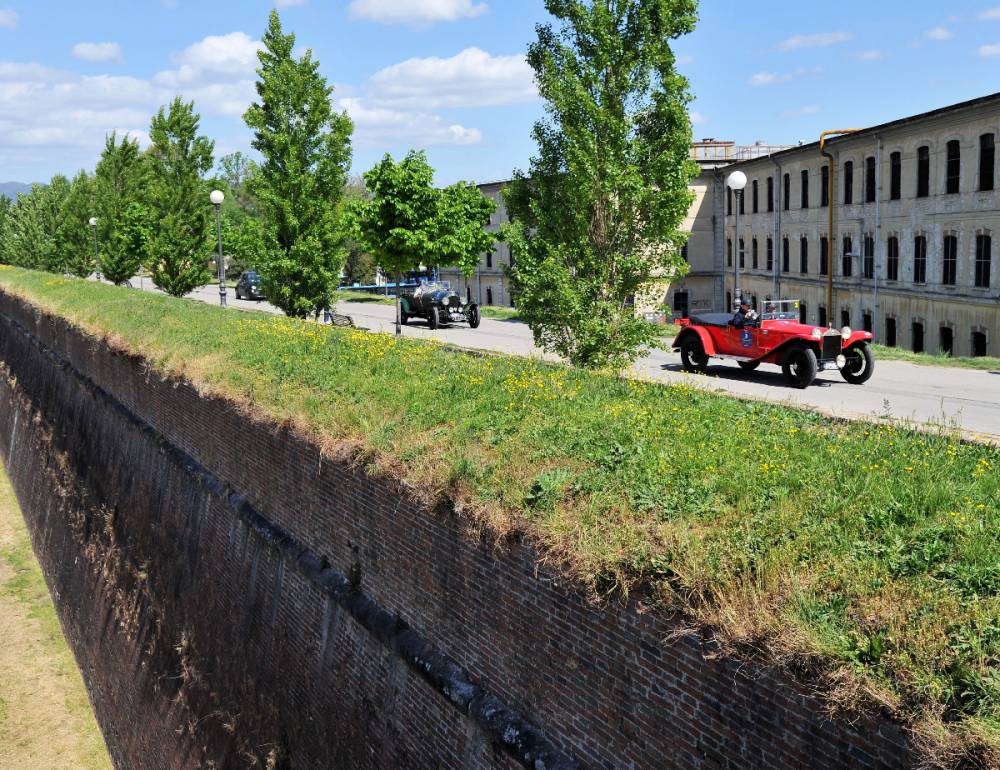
(841,361)
(846,332)
(816,332)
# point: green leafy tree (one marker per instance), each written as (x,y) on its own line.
(236,170)
(180,242)
(407,222)
(123,218)
(74,236)
(306,153)
(33,224)
(597,221)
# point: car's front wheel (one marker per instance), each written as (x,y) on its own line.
(800,366)
(434,318)
(693,354)
(748,366)
(473,316)
(860,365)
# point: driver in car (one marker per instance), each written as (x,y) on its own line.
(745,316)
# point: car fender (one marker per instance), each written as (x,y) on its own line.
(777,355)
(405,304)
(706,339)
(858,338)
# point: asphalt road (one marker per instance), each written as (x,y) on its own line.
(962,398)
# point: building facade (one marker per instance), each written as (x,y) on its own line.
(912,248)
(490,283)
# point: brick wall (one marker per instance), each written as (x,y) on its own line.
(232,594)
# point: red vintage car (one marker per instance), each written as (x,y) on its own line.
(776,337)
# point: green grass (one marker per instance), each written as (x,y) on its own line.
(344,295)
(926,359)
(866,555)
(500,313)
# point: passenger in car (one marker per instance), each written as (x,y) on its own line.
(745,316)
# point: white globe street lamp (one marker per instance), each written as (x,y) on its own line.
(217,197)
(97,257)
(736,181)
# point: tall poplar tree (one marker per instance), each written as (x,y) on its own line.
(122,215)
(180,239)
(306,150)
(596,218)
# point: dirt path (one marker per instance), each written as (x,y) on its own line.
(46,721)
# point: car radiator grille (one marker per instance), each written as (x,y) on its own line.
(832,344)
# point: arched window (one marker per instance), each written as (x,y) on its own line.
(895,176)
(754,188)
(729,252)
(787,192)
(824,186)
(868,257)
(954,168)
(770,255)
(870,179)
(987,159)
(824,254)
(846,266)
(848,183)
(802,313)
(805,188)
(770,193)
(984,256)
(923,171)
(754,255)
(489,295)
(743,254)
(920,259)
(729,201)
(803,255)
(949,260)
(892,258)
(784,255)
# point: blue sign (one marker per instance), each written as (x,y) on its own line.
(746,339)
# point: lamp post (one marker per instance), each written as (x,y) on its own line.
(97,257)
(736,181)
(217,197)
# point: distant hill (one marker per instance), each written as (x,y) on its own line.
(11,189)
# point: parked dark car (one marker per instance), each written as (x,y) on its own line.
(438,304)
(248,287)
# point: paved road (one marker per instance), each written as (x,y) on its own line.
(964,398)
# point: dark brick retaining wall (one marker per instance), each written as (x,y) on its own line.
(235,597)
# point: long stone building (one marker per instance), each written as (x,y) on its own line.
(912,253)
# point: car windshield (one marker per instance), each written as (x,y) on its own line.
(252,276)
(781,310)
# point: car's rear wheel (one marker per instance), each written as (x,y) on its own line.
(860,365)
(473,316)
(748,366)
(800,366)
(434,318)
(693,354)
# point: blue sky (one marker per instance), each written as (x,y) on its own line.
(449,75)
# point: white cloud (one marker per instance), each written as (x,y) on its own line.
(938,33)
(415,11)
(696,117)
(471,78)
(8,18)
(869,55)
(991,14)
(226,57)
(768,78)
(817,40)
(98,52)
(810,109)
(990,50)
(377,126)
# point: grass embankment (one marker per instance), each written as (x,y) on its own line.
(926,359)
(45,717)
(865,557)
(500,313)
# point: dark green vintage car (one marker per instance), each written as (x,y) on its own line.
(437,304)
